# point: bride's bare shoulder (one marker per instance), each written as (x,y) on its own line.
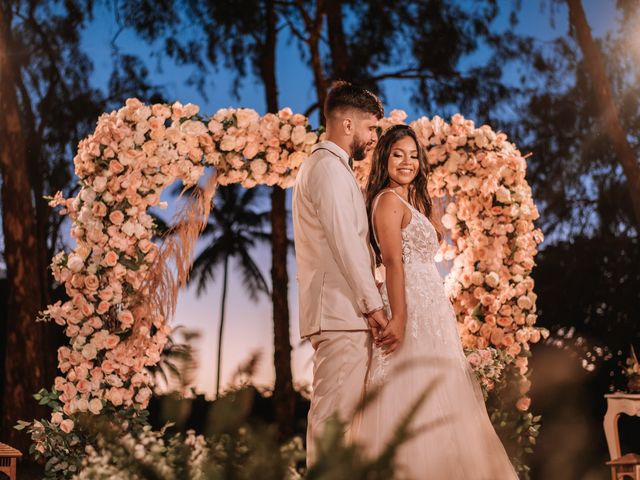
(390,208)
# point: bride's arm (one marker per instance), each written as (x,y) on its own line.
(388,220)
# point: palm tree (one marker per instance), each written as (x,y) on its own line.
(235,226)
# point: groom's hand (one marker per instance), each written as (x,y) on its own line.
(393,334)
(377,322)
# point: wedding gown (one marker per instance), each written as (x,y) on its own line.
(454,436)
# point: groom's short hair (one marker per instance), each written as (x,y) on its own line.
(345,96)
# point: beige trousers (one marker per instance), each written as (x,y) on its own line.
(340,363)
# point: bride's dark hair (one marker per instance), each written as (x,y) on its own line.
(379,180)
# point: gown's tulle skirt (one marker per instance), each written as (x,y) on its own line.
(453,438)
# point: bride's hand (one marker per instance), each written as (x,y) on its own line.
(392,336)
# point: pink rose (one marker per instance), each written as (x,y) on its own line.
(523,404)
(143,395)
(95,406)
(83,385)
(56,418)
(66,425)
(534,336)
(474,359)
(107,366)
(115,396)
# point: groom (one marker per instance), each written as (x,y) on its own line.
(340,306)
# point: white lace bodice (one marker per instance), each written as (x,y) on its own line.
(430,316)
(419,237)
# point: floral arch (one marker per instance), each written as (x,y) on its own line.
(139,150)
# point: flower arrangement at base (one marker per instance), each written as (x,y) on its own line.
(488,365)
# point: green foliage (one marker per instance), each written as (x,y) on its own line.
(517,429)
(122,444)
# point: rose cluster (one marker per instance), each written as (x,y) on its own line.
(253,150)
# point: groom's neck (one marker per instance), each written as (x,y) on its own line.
(340,140)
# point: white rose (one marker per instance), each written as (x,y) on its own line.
(75,263)
(525,303)
(258,167)
(139,231)
(296,159)
(492,279)
(285,133)
(95,405)
(448,221)
(100,183)
(310,138)
(128,228)
(503,195)
(143,395)
(246,116)
(88,195)
(298,134)
(82,405)
(228,143)
(191,127)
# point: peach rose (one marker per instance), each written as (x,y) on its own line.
(95,406)
(103,307)
(298,134)
(110,259)
(523,404)
(66,425)
(116,217)
(106,294)
(91,282)
(126,318)
(56,418)
(497,336)
(514,349)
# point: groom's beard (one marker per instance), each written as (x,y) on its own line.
(358,149)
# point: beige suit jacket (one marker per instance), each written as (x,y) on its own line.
(336,286)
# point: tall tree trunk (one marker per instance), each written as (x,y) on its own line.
(24,361)
(610,117)
(337,42)
(313,26)
(283,395)
(220,332)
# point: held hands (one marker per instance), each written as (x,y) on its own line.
(377,323)
(392,336)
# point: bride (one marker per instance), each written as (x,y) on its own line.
(418,358)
